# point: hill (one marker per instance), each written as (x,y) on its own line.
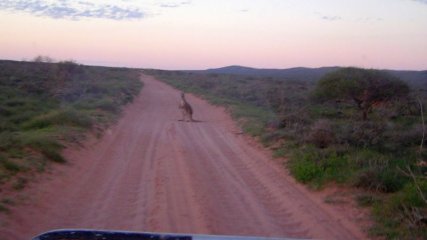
(414,78)
(298,73)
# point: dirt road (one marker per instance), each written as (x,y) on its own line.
(151,172)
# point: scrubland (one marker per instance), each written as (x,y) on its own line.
(356,128)
(46,106)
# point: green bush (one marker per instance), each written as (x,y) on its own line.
(272,136)
(377,171)
(413,194)
(305,171)
(106,104)
(9,140)
(279,153)
(303,165)
(404,214)
(398,138)
(379,179)
(51,152)
(335,168)
(62,117)
(10,165)
(367,200)
(45,141)
(317,166)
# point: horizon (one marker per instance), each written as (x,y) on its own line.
(208,68)
(199,35)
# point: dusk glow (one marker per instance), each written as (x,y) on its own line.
(200,34)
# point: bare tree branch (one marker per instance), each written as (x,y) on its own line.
(410,173)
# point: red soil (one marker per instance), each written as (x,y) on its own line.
(151,172)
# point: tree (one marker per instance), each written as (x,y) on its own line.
(365,87)
(45,59)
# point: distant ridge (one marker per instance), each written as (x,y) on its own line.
(297,73)
(415,78)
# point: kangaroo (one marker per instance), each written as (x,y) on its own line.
(186,109)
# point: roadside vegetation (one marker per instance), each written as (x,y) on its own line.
(358,128)
(44,106)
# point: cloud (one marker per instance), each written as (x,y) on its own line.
(75,10)
(331,18)
(370,19)
(421,1)
(169,5)
(174,4)
(328,17)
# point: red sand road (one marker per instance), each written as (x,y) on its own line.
(151,172)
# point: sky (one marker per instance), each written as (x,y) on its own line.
(201,34)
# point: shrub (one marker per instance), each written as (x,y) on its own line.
(10,165)
(9,140)
(253,128)
(321,133)
(398,138)
(335,167)
(404,214)
(297,120)
(52,153)
(279,153)
(68,117)
(379,179)
(271,137)
(377,171)
(303,165)
(318,166)
(367,200)
(362,134)
(4,208)
(106,104)
(305,170)
(366,88)
(45,142)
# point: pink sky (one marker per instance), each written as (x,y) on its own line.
(203,34)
